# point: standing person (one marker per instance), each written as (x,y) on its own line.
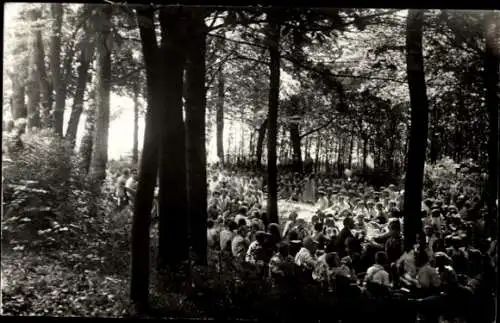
(323,202)
(131,186)
(240,244)
(121,192)
(309,188)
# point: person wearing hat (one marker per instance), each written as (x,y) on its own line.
(305,258)
(370,210)
(344,234)
(290,224)
(241,215)
(256,253)
(240,243)
(281,264)
(322,202)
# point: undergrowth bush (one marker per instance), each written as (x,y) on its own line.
(47,197)
(449,175)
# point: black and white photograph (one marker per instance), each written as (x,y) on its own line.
(258,162)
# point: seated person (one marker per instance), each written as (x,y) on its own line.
(377,273)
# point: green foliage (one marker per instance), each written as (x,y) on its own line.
(448,173)
(37,285)
(46,194)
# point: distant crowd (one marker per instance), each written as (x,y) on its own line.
(454,254)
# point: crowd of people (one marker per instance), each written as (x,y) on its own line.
(352,238)
(453,253)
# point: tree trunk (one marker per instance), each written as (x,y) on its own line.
(43,80)
(103,88)
(85,59)
(19,76)
(492,58)
(272,187)
(340,157)
(318,149)
(139,282)
(260,143)
(173,228)
(365,152)
(55,67)
(135,144)
(220,109)
(351,147)
(418,131)
(34,77)
(195,131)
(295,141)
(88,136)
(18,101)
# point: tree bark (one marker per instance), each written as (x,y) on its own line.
(55,67)
(295,141)
(492,58)
(85,59)
(418,131)
(139,282)
(318,149)
(195,131)
(365,152)
(220,108)
(274,53)
(88,136)
(135,144)
(18,102)
(260,143)
(103,88)
(34,77)
(351,146)
(173,227)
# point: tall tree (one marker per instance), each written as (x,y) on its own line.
(148,172)
(418,131)
(86,56)
(492,58)
(195,131)
(220,106)
(173,227)
(103,88)
(88,135)
(273,40)
(260,143)
(135,146)
(56,10)
(18,77)
(34,77)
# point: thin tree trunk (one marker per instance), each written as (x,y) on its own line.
(351,147)
(195,130)
(103,88)
(18,101)
(139,282)
(88,136)
(33,82)
(418,132)
(296,146)
(274,53)
(55,67)
(173,228)
(19,77)
(492,58)
(260,143)
(135,146)
(365,152)
(86,56)
(318,149)
(220,109)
